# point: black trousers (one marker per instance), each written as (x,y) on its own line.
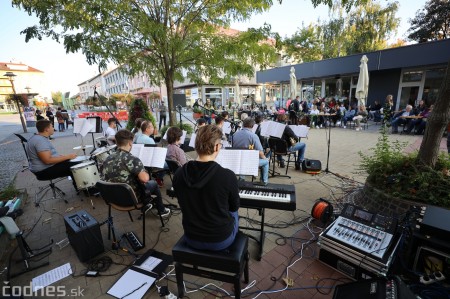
(161,117)
(58,170)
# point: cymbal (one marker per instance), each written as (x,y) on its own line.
(83,147)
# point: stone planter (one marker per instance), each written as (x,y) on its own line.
(375,199)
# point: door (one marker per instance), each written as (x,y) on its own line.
(408,96)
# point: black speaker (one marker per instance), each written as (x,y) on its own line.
(98,123)
(84,235)
(312,165)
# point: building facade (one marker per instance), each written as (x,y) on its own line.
(409,73)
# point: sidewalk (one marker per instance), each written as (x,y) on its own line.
(46,222)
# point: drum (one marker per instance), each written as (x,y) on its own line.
(80,159)
(101,141)
(85,174)
(100,154)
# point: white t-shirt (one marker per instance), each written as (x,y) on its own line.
(109,134)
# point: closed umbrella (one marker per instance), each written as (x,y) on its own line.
(237,97)
(293,81)
(362,88)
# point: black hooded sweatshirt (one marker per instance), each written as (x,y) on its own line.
(207,193)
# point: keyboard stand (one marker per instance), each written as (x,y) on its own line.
(260,230)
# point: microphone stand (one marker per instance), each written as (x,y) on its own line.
(181,115)
(110,112)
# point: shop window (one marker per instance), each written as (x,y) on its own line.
(412,76)
(433,81)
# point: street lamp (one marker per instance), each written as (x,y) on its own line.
(11,76)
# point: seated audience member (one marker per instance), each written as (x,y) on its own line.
(137,128)
(122,167)
(293,143)
(362,113)
(374,109)
(44,159)
(400,118)
(416,122)
(421,107)
(174,152)
(111,131)
(210,222)
(201,122)
(349,114)
(246,139)
(225,115)
(147,130)
(314,114)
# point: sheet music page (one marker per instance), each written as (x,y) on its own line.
(225,143)
(136,150)
(146,155)
(165,135)
(158,157)
(50,277)
(255,126)
(226,129)
(300,131)
(77,125)
(129,282)
(265,128)
(192,141)
(86,128)
(249,162)
(276,129)
(183,137)
(230,159)
(93,122)
(150,263)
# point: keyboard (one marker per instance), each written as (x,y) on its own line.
(272,196)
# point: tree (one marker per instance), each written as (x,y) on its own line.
(432,22)
(159,38)
(57,98)
(304,45)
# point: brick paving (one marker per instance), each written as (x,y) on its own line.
(46,222)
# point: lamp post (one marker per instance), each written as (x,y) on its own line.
(11,76)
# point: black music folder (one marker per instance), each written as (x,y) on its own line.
(138,279)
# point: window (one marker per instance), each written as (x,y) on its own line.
(412,76)
(433,81)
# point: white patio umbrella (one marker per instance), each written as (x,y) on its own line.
(237,96)
(293,82)
(362,88)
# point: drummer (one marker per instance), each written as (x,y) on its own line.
(44,160)
(111,131)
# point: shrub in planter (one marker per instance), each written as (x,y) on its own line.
(399,175)
(186,127)
(139,109)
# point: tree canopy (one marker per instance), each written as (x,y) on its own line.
(431,22)
(366,27)
(168,40)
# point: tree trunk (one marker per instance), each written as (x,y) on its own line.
(169,85)
(436,124)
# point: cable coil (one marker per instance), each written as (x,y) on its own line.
(322,210)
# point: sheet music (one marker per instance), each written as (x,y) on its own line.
(244,162)
(150,263)
(129,282)
(153,156)
(136,149)
(51,276)
(183,137)
(77,125)
(272,128)
(300,131)
(87,127)
(93,123)
(192,141)
(226,129)
(225,143)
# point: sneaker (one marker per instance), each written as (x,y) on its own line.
(147,208)
(160,182)
(321,126)
(297,166)
(338,123)
(345,127)
(282,164)
(165,213)
(358,129)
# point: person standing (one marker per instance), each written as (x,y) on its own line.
(60,120)
(208,195)
(162,114)
(50,116)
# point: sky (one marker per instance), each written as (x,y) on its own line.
(65,71)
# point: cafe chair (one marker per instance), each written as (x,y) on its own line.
(231,263)
(279,147)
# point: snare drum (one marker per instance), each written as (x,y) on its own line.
(80,159)
(101,154)
(85,174)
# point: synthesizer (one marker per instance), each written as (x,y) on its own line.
(271,196)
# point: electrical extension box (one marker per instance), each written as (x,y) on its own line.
(84,234)
(134,241)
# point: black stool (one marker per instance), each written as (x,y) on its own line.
(233,260)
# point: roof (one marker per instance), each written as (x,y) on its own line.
(411,56)
(17,67)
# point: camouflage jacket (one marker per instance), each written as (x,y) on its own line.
(123,167)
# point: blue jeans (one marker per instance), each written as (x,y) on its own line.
(264,165)
(300,147)
(218,245)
